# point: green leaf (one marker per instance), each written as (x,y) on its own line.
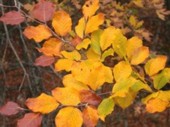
(95,41)
(105,108)
(161,79)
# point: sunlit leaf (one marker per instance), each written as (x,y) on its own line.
(90,7)
(122,70)
(105,108)
(157,102)
(140,55)
(66,95)
(69,117)
(84,44)
(92,55)
(132,45)
(154,65)
(61,22)
(69,81)
(51,47)
(64,64)
(80,28)
(30,120)
(94,22)
(73,55)
(43,103)
(36,33)
(90,116)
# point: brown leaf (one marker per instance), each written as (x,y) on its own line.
(12,18)
(30,120)
(43,10)
(76,40)
(44,61)
(89,97)
(90,116)
(10,108)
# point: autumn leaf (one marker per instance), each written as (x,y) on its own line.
(36,33)
(90,7)
(90,116)
(61,23)
(154,65)
(94,22)
(92,55)
(69,117)
(87,96)
(70,81)
(30,120)
(43,103)
(140,55)
(44,61)
(43,10)
(132,45)
(105,108)
(12,18)
(10,108)
(157,102)
(73,55)
(80,28)
(84,44)
(64,64)
(66,95)
(51,47)
(161,79)
(120,73)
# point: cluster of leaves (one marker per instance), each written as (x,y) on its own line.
(83,56)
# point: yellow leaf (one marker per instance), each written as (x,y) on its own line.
(43,103)
(90,7)
(61,23)
(38,33)
(94,22)
(84,44)
(69,117)
(107,37)
(64,64)
(74,55)
(154,65)
(132,45)
(122,70)
(51,47)
(140,55)
(66,95)
(80,28)
(69,81)
(91,54)
(133,20)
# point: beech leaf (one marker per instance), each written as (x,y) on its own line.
(43,103)
(61,23)
(12,18)
(44,61)
(10,108)
(43,10)
(36,33)
(30,120)
(69,117)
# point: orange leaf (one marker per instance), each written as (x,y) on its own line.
(38,33)
(51,47)
(66,95)
(62,23)
(43,103)
(69,117)
(90,8)
(90,116)
(94,22)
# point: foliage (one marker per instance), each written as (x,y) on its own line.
(80,102)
